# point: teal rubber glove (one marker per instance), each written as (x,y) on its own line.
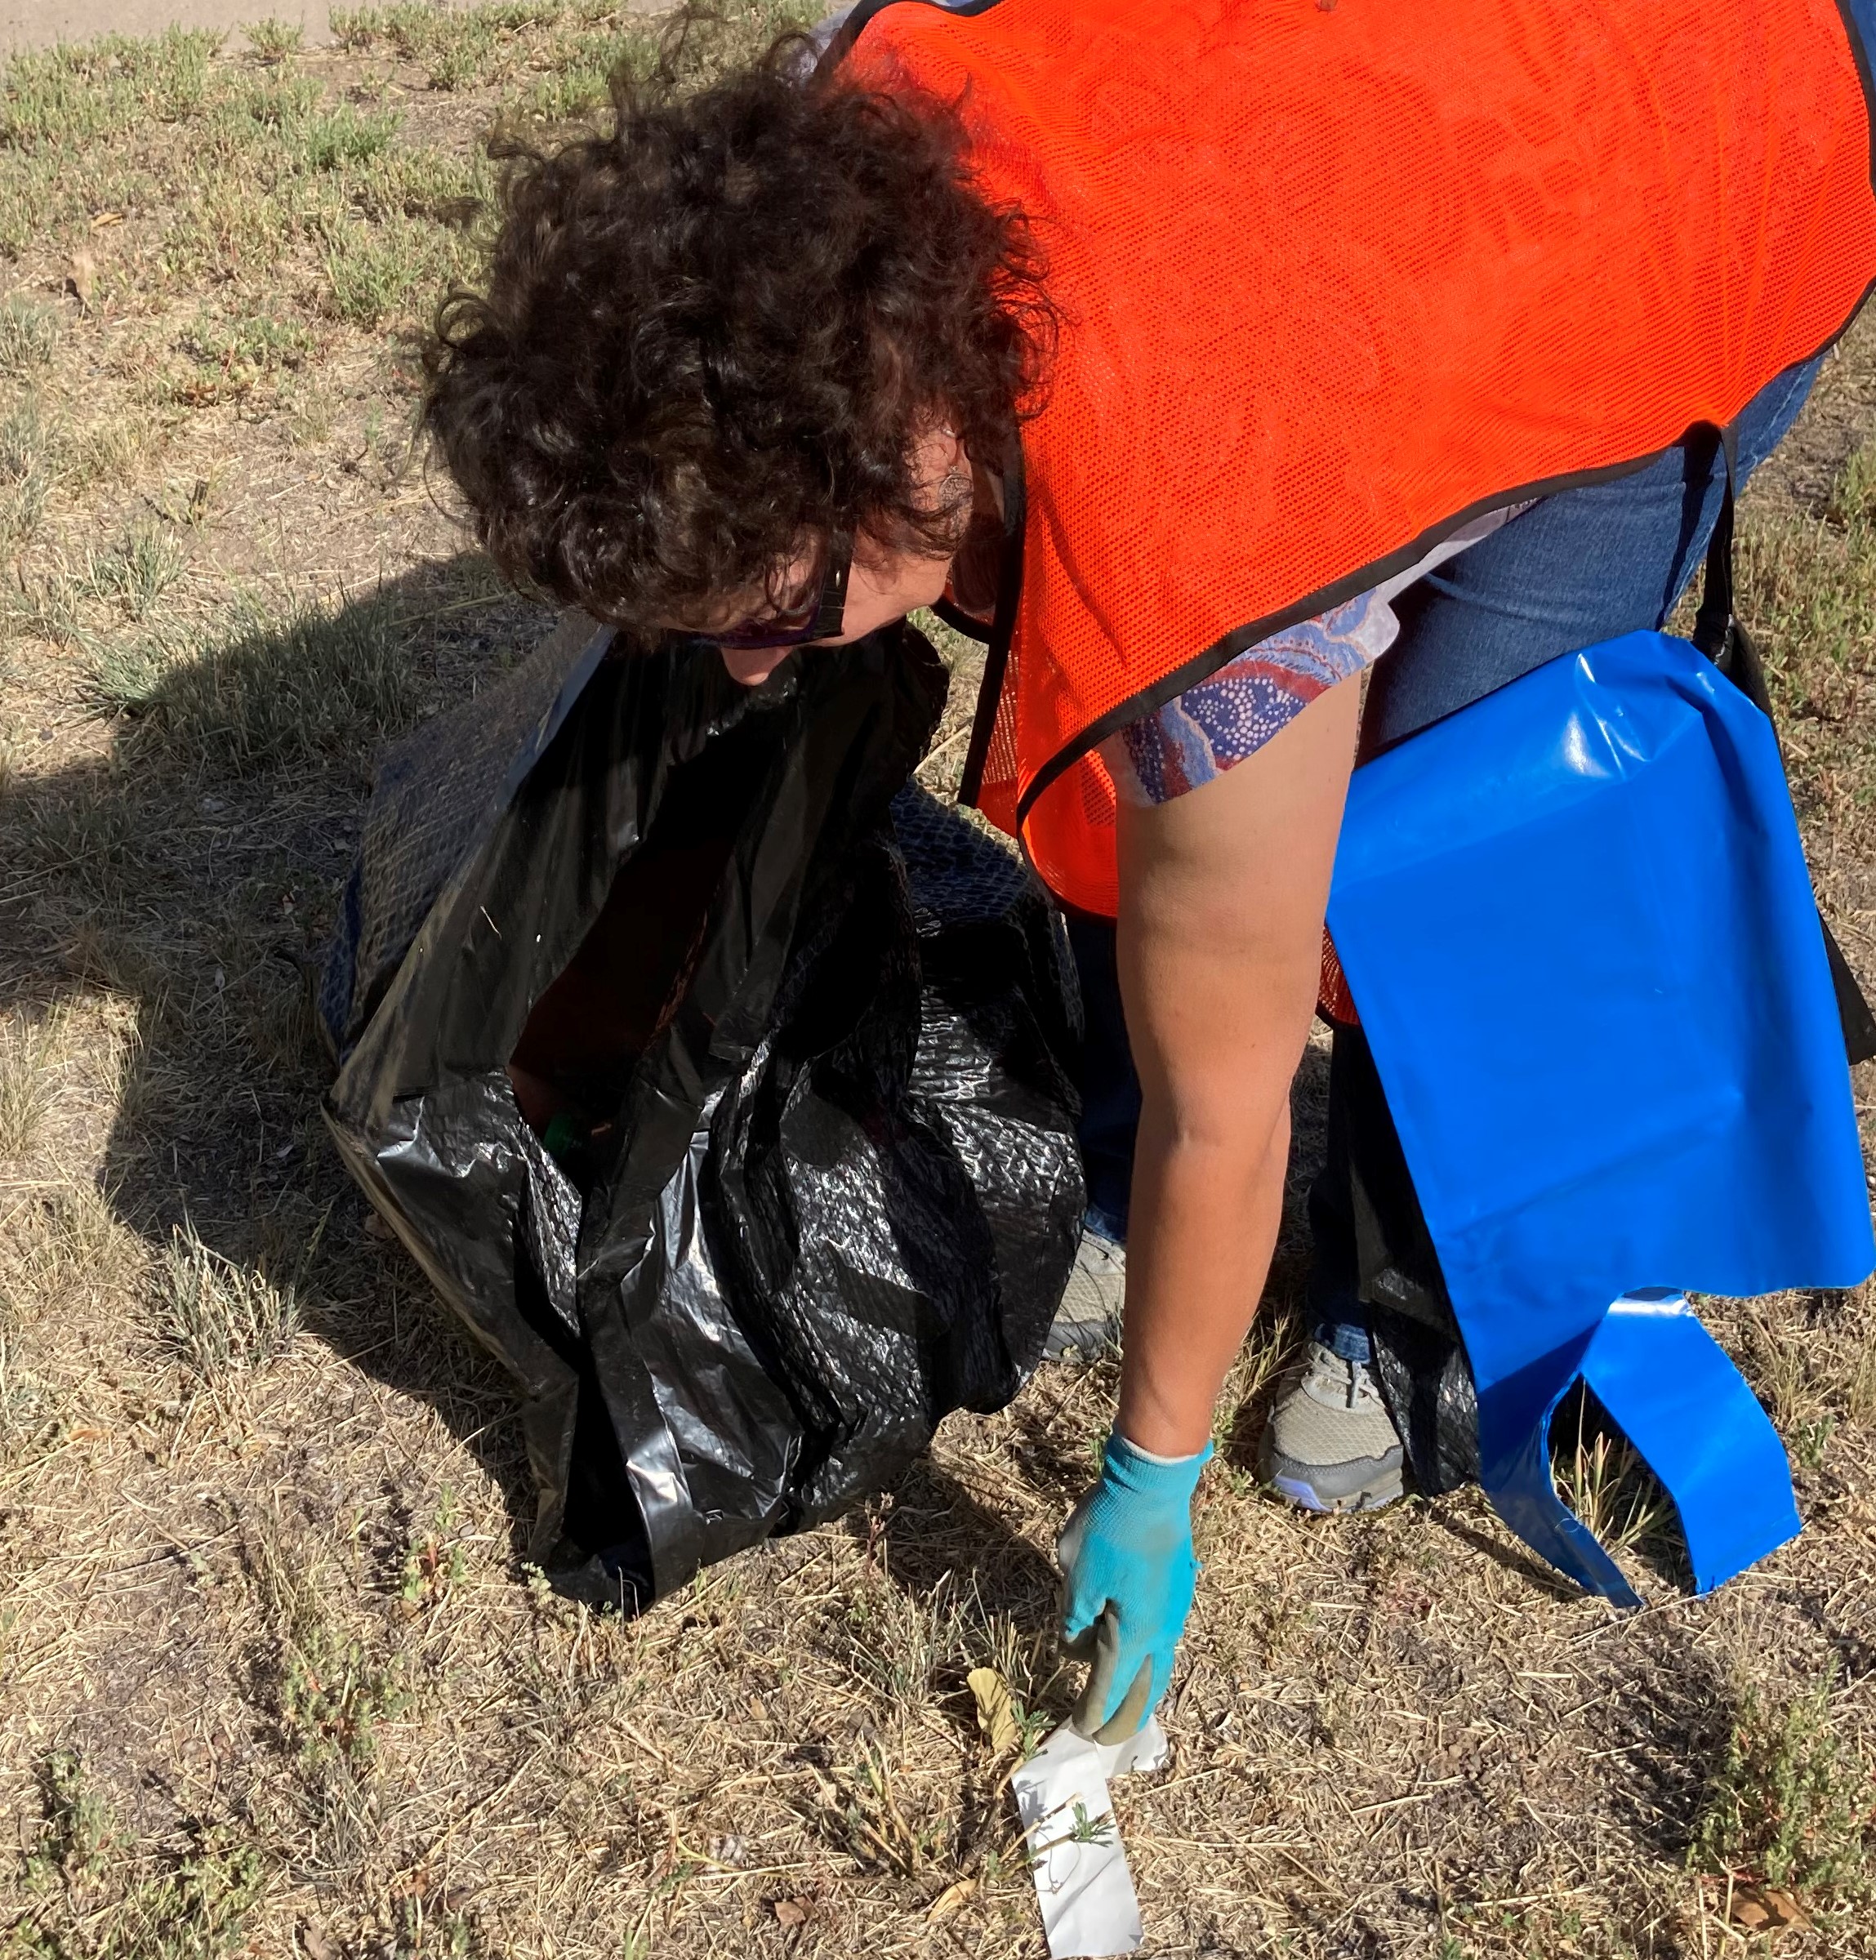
(1128,1575)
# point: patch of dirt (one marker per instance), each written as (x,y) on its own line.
(1838,421)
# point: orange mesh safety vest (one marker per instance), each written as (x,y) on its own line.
(1334,274)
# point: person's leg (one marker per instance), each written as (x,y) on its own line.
(1581,567)
(1330,1444)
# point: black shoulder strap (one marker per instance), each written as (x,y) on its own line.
(1718,634)
(1002,627)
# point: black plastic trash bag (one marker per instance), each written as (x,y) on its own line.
(807,1039)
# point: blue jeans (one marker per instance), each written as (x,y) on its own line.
(1580,567)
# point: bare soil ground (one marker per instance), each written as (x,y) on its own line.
(273,1679)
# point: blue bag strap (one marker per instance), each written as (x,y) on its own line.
(1689,1414)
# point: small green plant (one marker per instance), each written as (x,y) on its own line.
(267,691)
(341,137)
(423,1930)
(1859,1393)
(1078,1828)
(152,561)
(92,1898)
(28,1406)
(472,55)
(76,1836)
(230,358)
(218,1317)
(333,1696)
(1791,1805)
(137,572)
(78,94)
(47,608)
(126,674)
(1814,1441)
(432,1567)
(376,272)
(26,470)
(1601,1477)
(274,41)
(357,28)
(29,1080)
(29,334)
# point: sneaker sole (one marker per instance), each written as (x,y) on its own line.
(1385,1490)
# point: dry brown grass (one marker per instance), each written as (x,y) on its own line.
(272,1679)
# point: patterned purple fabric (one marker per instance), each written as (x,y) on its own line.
(1203,732)
(1233,714)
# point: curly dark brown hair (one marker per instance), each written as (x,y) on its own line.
(710,340)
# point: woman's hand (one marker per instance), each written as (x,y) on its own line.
(1128,1574)
(1222,891)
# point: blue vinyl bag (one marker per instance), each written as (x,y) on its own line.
(1576,922)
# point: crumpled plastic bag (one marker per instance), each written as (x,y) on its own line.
(809,1181)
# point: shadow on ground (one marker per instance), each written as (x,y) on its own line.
(190,871)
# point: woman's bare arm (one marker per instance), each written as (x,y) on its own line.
(1222,891)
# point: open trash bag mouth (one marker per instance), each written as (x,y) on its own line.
(719,1080)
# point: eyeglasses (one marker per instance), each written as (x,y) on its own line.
(818,617)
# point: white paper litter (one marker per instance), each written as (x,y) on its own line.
(1086,1892)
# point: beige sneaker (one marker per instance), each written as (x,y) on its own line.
(1330,1444)
(1088,1321)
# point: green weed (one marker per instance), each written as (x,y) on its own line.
(80,93)
(136,572)
(29,334)
(472,57)
(1808,589)
(47,608)
(93,1900)
(215,1316)
(26,469)
(333,1698)
(307,687)
(433,183)
(127,675)
(1600,1476)
(1859,1392)
(78,1836)
(1791,1805)
(231,231)
(395,269)
(230,358)
(88,840)
(432,1567)
(357,28)
(460,48)
(272,41)
(29,1406)
(424,1931)
(29,1080)
(342,136)
(576,86)
(107,451)
(29,192)
(257,104)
